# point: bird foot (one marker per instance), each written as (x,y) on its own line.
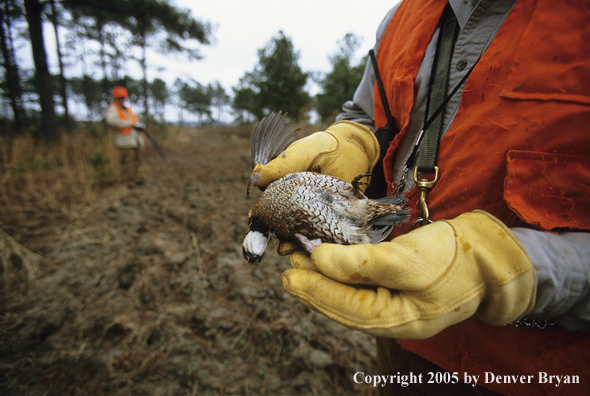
(308,245)
(356,183)
(253,180)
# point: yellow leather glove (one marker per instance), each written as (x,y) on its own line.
(345,150)
(421,282)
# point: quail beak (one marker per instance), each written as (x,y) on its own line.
(251,258)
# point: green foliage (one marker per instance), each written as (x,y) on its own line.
(188,372)
(98,160)
(147,23)
(98,129)
(100,165)
(89,91)
(195,99)
(33,164)
(339,85)
(159,93)
(147,18)
(276,83)
(133,87)
(243,102)
(219,98)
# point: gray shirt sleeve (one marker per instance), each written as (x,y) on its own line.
(562,262)
(360,108)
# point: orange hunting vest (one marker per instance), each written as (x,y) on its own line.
(519,148)
(125,116)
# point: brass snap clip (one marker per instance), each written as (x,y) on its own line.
(424,185)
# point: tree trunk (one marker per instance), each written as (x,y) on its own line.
(106,84)
(62,78)
(12,77)
(145,82)
(50,129)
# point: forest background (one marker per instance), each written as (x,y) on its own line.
(98,40)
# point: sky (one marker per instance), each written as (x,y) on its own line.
(241,28)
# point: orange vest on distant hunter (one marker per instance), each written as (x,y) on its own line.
(125,116)
(519,148)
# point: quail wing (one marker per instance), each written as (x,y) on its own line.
(271,137)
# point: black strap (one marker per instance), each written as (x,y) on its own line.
(384,100)
(384,135)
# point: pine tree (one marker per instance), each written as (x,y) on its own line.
(339,85)
(276,83)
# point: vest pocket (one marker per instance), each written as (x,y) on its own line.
(549,191)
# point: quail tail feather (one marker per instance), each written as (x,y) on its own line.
(393,215)
(393,218)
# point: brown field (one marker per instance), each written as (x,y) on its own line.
(142,290)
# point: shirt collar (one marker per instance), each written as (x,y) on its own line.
(463,10)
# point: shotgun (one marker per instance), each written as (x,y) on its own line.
(152,140)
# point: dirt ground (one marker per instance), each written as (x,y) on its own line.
(145,292)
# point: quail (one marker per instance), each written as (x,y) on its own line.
(309,207)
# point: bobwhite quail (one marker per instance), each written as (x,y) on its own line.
(310,207)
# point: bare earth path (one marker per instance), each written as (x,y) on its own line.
(145,292)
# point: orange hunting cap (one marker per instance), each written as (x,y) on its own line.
(120,92)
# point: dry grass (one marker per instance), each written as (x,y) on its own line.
(55,178)
(63,180)
(67,176)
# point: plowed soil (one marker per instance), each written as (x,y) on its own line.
(144,291)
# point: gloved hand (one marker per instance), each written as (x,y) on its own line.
(139,126)
(345,150)
(422,282)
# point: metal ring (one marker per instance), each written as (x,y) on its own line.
(420,220)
